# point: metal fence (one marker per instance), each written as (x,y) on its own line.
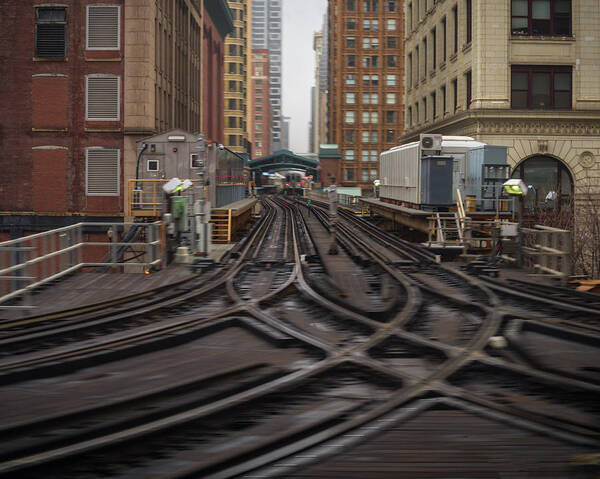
(31,261)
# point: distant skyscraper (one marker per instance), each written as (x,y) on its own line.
(266,35)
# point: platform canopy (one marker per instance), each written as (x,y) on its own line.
(284,160)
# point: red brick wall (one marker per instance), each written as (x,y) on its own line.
(50,180)
(29,102)
(50,110)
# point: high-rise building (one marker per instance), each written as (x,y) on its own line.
(285,132)
(522,75)
(266,35)
(82,83)
(260,112)
(237,77)
(365,55)
(315,110)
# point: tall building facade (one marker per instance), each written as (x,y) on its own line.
(260,134)
(237,76)
(266,35)
(522,74)
(365,84)
(315,105)
(82,82)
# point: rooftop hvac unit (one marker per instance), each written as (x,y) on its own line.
(430,142)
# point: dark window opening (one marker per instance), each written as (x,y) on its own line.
(469,21)
(541,87)
(455,18)
(50,32)
(455,95)
(541,17)
(468,79)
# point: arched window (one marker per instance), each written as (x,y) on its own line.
(551,185)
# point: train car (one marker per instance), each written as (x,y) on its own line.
(410,177)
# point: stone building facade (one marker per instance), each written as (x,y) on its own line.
(519,73)
(238,56)
(365,60)
(82,82)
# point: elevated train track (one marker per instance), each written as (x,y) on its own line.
(268,368)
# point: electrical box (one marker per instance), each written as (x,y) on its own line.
(436,180)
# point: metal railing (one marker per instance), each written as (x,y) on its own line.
(31,261)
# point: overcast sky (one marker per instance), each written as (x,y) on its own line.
(301,18)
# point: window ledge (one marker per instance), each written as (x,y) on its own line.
(542,38)
(453,57)
(442,66)
(58,59)
(113,59)
(49,130)
(467,47)
(432,74)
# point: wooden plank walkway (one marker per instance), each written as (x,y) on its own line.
(86,288)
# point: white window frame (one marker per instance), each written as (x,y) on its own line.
(87,150)
(87,25)
(99,75)
(148,164)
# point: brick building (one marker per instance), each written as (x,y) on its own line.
(365,54)
(261,111)
(83,80)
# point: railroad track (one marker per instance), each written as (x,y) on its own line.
(313,376)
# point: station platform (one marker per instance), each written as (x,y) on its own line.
(413,218)
(87,288)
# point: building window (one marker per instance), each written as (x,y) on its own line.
(391,5)
(350,60)
(348,174)
(391,24)
(391,60)
(350,42)
(371,24)
(350,5)
(540,87)
(434,105)
(390,98)
(349,136)
(103,27)
(370,61)
(444,39)
(370,5)
(469,8)
(391,42)
(455,19)
(102,171)
(349,155)
(370,98)
(433,49)
(409,116)
(443,90)
(468,84)
(368,174)
(370,80)
(350,23)
(349,117)
(350,79)
(102,98)
(391,116)
(541,17)
(350,98)
(369,155)
(50,32)
(370,117)
(455,94)
(409,17)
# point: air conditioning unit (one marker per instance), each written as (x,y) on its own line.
(430,142)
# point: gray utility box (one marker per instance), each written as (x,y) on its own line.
(436,180)
(476,158)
